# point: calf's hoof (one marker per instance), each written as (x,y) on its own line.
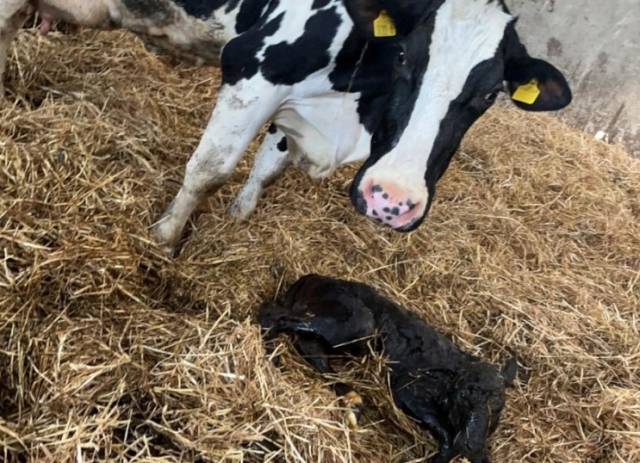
(354,402)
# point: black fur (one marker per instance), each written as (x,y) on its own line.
(200,8)
(454,395)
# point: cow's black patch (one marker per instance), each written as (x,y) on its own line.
(290,63)
(200,8)
(272,128)
(251,12)
(317,4)
(371,79)
(160,11)
(282,144)
(238,60)
(395,211)
(231,5)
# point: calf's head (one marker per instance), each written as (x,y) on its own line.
(476,400)
(451,60)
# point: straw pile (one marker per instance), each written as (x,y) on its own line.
(111,352)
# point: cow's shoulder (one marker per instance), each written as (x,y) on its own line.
(288,62)
(291,41)
(240,57)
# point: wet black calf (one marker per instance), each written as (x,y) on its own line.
(454,395)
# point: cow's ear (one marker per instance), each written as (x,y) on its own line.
(384,20)
(534,84)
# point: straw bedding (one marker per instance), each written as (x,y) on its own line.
(111,352)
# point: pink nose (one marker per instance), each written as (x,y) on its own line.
(390,205)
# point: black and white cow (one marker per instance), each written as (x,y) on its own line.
(396,83)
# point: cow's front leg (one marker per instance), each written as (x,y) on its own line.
(270,161)
(13,14)
(240,112)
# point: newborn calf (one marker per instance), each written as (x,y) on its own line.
(453,395)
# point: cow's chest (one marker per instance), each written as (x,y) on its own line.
(323,132)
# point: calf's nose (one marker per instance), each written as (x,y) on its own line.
(390,204)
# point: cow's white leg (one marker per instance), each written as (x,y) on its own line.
(13,14)
(240,112)
(270,161)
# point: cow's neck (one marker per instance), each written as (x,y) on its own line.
(368,74)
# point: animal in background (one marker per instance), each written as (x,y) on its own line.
(455,396)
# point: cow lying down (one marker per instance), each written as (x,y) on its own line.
(454,395)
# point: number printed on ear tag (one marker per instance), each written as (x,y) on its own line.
(383,25)
(527,93)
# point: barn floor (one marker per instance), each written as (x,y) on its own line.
(111,352)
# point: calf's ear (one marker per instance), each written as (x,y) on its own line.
(385,20)
(533,84)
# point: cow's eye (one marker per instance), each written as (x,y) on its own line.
(491,96)
(401,58)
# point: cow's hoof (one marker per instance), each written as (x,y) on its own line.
(239,211)
(169,250)
(168,247)
(354,402)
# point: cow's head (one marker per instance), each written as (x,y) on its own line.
(452,58)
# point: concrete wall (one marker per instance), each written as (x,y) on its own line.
(596,43)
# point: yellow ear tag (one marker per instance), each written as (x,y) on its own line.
(383,25)
(527,93)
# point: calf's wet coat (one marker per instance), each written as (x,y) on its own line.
(455,396)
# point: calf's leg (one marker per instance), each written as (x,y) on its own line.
(412,397)
(240,112)
(317,355)
(276,319)
(270,161)
(341,326)
(13,14)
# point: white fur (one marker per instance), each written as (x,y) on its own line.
(269,163)
(321,125)
(240,112)
(13,14)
